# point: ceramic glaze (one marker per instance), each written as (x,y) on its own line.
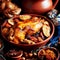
(38,6)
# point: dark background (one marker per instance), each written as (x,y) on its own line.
(58,6)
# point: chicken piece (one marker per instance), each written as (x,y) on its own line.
(11,33)
(35,26)
(26,28)
(30,32)
(46,30)
(28,41)
(25,17)
(20,34)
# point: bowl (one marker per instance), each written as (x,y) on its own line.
(14,54)
(33,45)
(48,53)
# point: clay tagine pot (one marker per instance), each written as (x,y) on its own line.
(38,6)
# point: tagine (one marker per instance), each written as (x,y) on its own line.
(27,30)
